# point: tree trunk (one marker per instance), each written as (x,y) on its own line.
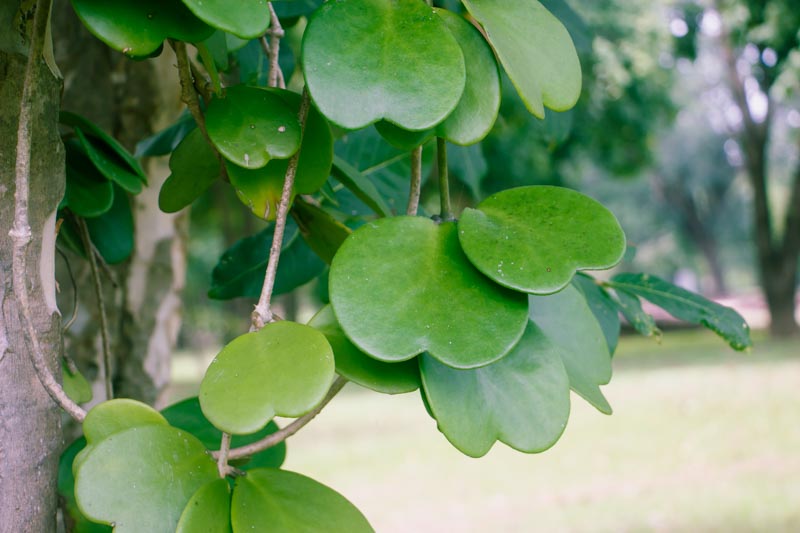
(30,422)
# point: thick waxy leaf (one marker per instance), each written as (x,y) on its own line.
(141,478)
(295,8)
(604,308)
(240,271)
(360,185)
(208,510)
(66,492)
(284,369)
(88,193)
(251,126)
(116,415)
(521,400)
(402,286)
(380,64)
(188,416)
(112,232)
(194,167)
(75,385)
(277,501)
(258,189)
(631,309)
(323,233)
(565,319)
(534,238)
(138,27)
(688,306)
(247,19)
(535,50)
(355,365)
(102,141)
(111,166)
(401,138)
(168,139)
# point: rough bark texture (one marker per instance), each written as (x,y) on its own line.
(130,100)
(30,423)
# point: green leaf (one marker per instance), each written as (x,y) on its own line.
(688,306)
(401,138)
(140,479)
(323,233)
(477,110)
(259,189)
(167,140)
(103,141)
(251,126)
(603,307)
(88,193)
(188,416)
(360,185)
(284,369)
(355,365)
(110,166)
(565,319)
(66,492)
(240,271)
(535,49)
(137,28)
(112,232)
(535,238)
(295,8)
(277,501)
(194,167)
(357,79)
(521,400)
(631,309)
(208,510)
(75,385)
(247,19)
(402,286)
(468,165)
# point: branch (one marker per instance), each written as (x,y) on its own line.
(21,231)
(281,435)
(444,180)
(222,455)
(262,314)
(416,182)
(276,33)
(101,306)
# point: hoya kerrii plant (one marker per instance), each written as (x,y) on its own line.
(489,312)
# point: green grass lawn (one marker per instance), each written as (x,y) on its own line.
(702,439)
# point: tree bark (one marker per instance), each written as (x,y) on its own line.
(30,422)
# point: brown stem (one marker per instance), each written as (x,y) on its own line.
(416,182)
(276,33)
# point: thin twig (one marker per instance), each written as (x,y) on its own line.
(274,49)
(416,182)
(21,231)
(444,181)
(262,314)
(101,306)
(281,435)
(222,455)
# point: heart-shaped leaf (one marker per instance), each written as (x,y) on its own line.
(209,509)
(259,189)
(277,501)
(355,365)
(188,416)
(251,126)
(521,400)
(380,64)
(138,27)
(141,478)
(247,19)
(284,369)
(534,238)
(535,49)
(66,492)
(194,167)
(565,318)
(402,286)
(88,193)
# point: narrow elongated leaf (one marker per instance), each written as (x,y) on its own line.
(521,400)
(535,50)
(165,141)
(357,79)
(104,141)
(631,309)
(688,306)
(110,166)
(402,286)
(88,193)
(284,369)
(603,307)
(360,185)
(567,321)
(278,501)
(358,367)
